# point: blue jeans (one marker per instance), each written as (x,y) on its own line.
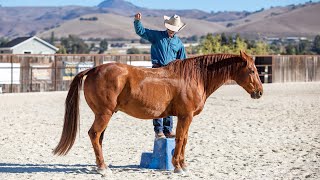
(163,124)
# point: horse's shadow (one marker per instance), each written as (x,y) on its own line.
(57,168)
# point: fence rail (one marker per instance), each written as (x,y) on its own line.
(33,73)
(30,73)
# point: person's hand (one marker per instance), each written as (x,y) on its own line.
(137,16)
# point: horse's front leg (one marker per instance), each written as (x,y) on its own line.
(182,156)
(181,134)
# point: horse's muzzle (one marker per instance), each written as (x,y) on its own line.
(256,95)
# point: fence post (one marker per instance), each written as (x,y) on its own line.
(11,85)
(96,60)
(55,73)
(31,79)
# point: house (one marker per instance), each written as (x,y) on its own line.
(28,45)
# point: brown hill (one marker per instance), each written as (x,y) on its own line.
(116,26)
(293,20)
(22,21)
(290,21)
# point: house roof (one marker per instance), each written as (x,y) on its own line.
(15,41)
(20,40)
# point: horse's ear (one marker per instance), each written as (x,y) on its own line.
(244,55)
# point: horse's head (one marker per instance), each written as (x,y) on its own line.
(248,77)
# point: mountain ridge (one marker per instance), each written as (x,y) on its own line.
(24,21)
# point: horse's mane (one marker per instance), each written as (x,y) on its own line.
(195,68)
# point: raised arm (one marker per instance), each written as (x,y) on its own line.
(141,31)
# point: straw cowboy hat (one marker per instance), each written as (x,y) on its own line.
(173,23)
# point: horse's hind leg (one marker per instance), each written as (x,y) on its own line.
(96,135)
(101,137)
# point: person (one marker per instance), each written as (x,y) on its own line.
(166,46)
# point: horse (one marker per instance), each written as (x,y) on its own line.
(179,89)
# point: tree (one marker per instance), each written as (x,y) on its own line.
(133,51)
(92,46)
(260,48)
(193,38)
(52,38)
(223,44)
(316,44)
(192,49)
(3,41)
(74,45)
(251,43)
(304,47)
(211,44)
(290,49)
(226,49)
(103,46)
(62,50)
(230,41)
(275,48)
(240,44)
(229,25)
(224,39)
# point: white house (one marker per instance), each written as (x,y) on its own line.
(28,45)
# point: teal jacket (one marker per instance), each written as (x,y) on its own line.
(163,49)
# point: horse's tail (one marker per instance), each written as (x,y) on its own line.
(71,116)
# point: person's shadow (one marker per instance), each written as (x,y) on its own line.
(56,168)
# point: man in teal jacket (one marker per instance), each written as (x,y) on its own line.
(165,47)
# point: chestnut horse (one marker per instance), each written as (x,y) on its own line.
(180,89)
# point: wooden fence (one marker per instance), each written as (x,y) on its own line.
(304,68)
(34,73)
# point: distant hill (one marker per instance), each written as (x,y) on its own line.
(118,5)
(116,26)
(22,21)
(291,21)
(124,8)
(114,20)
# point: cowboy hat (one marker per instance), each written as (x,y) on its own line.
(173,23)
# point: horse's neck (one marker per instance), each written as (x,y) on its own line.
(219,78)
(215,84)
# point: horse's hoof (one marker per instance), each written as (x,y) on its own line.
(178,170)
(104,171)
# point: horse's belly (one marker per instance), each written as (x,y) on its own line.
(143,112)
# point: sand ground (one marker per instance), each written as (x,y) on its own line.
(235,137)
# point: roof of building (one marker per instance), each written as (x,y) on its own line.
(20,40)
(15,41)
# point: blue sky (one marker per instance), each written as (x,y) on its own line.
(205,5)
